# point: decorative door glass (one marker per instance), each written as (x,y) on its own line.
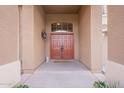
(62,27)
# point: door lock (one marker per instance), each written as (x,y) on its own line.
(62,48)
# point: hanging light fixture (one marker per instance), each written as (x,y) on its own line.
(58,23)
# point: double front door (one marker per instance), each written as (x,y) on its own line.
(62,46)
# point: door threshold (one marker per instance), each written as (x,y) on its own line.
(55,60)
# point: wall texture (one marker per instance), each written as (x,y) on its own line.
(8,80)
(115,33)
(9,29)
(9,46)
(27,37)
(90,26)
(39,44)
(96,38)
(71,18)
(84,36)
(32,24)
(115,64)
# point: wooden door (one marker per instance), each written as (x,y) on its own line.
(62,46)
(68,47)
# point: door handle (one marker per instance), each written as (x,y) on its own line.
(62,47)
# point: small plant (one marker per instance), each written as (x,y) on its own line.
(103,84)
(21,86)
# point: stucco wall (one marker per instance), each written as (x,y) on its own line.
(9,46)
(39,44)
(115,63)
(9,29)
(90,29)
(32,44)
(27,37)
(84,36)
(10,74)
(115,33)
(71,18)
(96,38)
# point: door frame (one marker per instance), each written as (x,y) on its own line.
(61,33)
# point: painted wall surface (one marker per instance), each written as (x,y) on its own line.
(71,18)
(115,63)
(96,38)
(9,46)
(39,44)
(27,27)
(10,74)
(32,25)
(115,73)
(84,36)
(9,29)
(90,29)
(115,34)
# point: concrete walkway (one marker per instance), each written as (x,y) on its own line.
(61,75)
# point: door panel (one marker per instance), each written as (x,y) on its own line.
(68,47)
(55,47)
(62,46)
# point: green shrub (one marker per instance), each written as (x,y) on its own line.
(21,86)
(103,84)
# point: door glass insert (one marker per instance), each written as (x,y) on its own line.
(62,27)
(70,27)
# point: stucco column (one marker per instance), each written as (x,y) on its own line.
(27,37)
(96,38)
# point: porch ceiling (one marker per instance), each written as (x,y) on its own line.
(61,9)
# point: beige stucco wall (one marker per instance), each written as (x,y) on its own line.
(71,18)
(39,44)
(27,37)
(115,63)
(10,72)
(9,29)
(115,73)
(96,38)
(90,26)
(84,36)
(115,33)
(32,44)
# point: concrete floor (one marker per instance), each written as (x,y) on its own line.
(61,75)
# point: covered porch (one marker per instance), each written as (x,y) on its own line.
(48,34)
(67,45)
(66,74)
(35,38)
(61,32)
